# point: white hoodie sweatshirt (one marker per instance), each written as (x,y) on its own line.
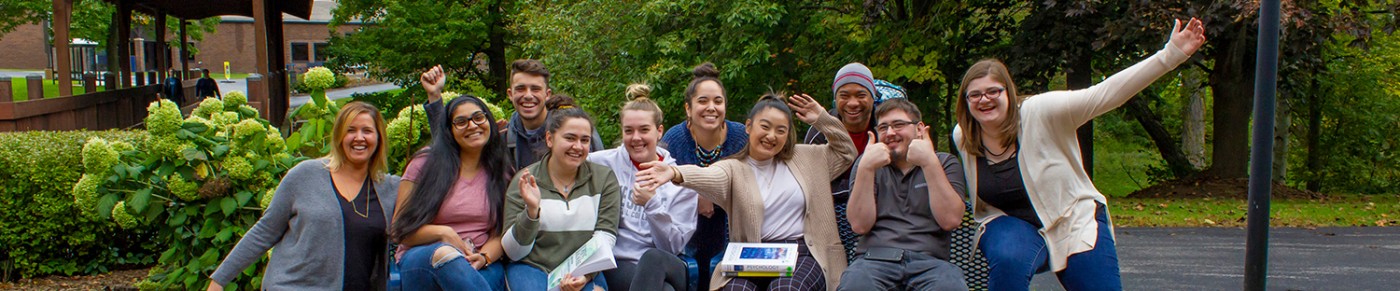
(666,222)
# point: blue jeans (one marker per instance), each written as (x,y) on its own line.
(524,277)
(1015,252)
(420,272)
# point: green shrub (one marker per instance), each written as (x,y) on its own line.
(39,228)
(197,188)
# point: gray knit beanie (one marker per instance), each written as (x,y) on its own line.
(854,73)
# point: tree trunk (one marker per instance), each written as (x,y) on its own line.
(1193,120)
(499,78)
(1079,74)
(1176,160)
(1283,121)
(1314,163)
(1232,82)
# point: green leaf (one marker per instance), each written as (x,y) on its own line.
(220,150)
(243,197)
(194,127)
(224,235)
(140,199)
(104,205)
(246,112)
(177,219)
(228,205)
(186,172)
(166,168)
(192,154)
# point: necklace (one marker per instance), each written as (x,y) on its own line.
(708,157)
(366,194)
(994,154)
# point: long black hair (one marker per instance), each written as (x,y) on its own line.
(442,168)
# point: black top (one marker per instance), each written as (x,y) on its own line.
(364,236)
(1001,186)
(206,87)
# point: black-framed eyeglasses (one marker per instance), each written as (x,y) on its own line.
(479,118)
(991,93)
(897,125)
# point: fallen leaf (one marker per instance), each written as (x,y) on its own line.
(1210,222)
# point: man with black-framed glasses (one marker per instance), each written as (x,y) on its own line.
(906,199)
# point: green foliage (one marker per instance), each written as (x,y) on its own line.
(42,229)
(1358,102)
(406,37)
(196,188)
(316,119)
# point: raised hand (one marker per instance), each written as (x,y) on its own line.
(433,80)
(806,108)
(921,150)
(876,154)
(530,192)
(1189,38)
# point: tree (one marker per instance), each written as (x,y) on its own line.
(402,38)
(20,12)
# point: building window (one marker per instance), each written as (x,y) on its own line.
(299,52)
(320,48)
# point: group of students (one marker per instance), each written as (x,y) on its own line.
(488,205)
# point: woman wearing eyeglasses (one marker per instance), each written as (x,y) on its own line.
(451,199)
(1038,209)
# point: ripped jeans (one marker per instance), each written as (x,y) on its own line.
(420,271)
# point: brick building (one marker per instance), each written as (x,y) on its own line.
(232,41)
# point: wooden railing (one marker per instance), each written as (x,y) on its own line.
(113,108)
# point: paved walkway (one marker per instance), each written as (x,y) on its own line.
(1357,258)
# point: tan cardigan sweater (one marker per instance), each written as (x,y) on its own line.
(1059,188)
(731,184)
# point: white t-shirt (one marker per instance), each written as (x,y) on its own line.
(783,201)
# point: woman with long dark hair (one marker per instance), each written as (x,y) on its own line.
(448,224)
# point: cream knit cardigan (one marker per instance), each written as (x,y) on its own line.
(1059,188)
(731,184)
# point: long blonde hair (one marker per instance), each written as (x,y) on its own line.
(971,129)
(378,163)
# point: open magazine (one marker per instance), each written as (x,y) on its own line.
(594,256)
(759,260)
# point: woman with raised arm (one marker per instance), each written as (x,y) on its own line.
(769,187)
(448,223)
(561,206)
(327,222)
(1038,208)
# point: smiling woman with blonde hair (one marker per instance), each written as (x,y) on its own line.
(326,224)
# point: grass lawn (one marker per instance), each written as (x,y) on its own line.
(220,75)
(1337,210)
(19,87)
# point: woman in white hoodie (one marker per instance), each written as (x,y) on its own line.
(655,225)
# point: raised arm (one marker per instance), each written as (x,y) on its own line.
(522,216)
(839,150)
(1074,108)
(943,176)
(861,207)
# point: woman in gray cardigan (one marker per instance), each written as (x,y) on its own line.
(328,217)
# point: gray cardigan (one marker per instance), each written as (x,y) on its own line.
(304,223)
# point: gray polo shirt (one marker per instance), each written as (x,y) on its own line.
(903,218)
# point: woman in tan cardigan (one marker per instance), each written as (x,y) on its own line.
(768,187)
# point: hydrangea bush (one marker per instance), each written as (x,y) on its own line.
(200,183)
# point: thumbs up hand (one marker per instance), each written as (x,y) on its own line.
(921,150)
(876,154)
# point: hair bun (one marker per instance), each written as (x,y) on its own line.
(638,91)
(706,70)
(559,101)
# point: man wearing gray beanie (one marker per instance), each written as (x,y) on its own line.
(853,94)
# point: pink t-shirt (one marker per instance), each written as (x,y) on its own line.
(466,208)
